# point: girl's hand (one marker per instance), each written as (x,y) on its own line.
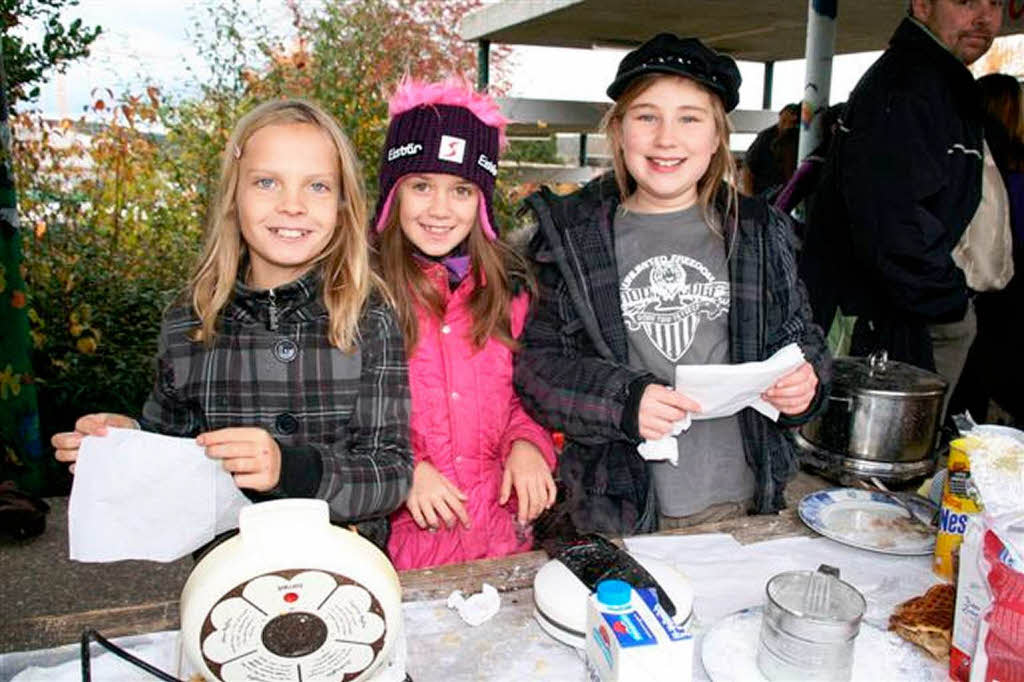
(660,409)
(248,453)
(793,393)
(432,495)
(66,444)
(527,471)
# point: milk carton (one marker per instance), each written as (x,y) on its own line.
(971,600)
(630,637)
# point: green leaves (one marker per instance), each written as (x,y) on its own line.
(28,64)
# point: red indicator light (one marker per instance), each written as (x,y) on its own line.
(290,597)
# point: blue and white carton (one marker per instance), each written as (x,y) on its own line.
(631,638)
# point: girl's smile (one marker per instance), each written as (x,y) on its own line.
(287,198)
(290,233)
(665,165)
(668,136)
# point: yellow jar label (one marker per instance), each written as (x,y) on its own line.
(959,503)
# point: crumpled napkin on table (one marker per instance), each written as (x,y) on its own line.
(139,495)
(723,390)
(478,608)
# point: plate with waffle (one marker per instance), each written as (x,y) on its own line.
(872,520)
(927,620)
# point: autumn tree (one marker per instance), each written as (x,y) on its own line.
(23,66)
(114,205)
(29,64)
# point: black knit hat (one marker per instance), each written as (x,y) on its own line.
(441,128)
(667,53)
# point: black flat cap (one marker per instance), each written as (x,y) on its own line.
(667,53)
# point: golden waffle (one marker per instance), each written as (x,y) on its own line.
(927,620)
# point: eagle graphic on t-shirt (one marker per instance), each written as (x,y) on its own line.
(667,296)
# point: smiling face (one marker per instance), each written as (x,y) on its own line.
(289,183)
(668,136)
(436,211)
(966,27)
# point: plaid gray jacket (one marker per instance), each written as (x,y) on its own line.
(340,419)
(572,373)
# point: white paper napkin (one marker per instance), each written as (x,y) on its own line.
(139,495)
(723,390)
(477,608)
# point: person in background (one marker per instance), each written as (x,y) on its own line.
(903,182)
(771,158)
(282,359)
(993,369)
(482,465)
(801,187)
(659,263)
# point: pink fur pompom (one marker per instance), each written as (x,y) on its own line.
(452,91)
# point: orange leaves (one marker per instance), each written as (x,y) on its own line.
(86,345)
(87,337)
(10,383)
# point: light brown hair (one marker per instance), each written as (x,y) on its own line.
(721,173)
(495,268)
(348,279)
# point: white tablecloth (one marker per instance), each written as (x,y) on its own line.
(726,575)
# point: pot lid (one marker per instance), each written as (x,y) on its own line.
(878,374)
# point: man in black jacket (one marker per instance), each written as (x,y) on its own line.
(903,181)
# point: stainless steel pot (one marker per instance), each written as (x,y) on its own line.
(880,411)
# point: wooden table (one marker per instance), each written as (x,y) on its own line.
(46,600)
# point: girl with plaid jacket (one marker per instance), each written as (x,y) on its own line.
(285,362)
(462,302)
(657,264)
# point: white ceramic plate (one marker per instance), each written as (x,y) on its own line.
(729,653)
(870,520)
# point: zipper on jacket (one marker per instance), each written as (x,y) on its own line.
(272,321)
(579,268)
(762,343)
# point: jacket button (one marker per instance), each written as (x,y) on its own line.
(446,329)
(286,424)
(286,350)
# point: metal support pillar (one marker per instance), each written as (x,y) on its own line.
(769,78)
(483,64)
(821,45)
(583,150)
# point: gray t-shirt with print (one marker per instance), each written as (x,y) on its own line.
(674,289)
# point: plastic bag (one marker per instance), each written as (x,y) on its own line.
(999,652)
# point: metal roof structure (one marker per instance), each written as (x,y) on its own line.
(545,117)
(755,30)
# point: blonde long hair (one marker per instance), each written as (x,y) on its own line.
(495,267)
(348,279)
(721,172)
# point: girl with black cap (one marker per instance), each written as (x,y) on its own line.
(655,264)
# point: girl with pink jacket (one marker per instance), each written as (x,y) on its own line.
(482,465)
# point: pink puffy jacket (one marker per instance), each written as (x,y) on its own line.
(465,417)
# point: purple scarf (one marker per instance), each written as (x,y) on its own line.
(456,263)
